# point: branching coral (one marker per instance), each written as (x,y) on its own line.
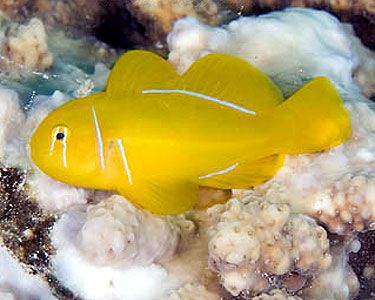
(249,242)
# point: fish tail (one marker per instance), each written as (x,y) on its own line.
(315,118)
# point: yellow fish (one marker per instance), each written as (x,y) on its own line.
(154,136)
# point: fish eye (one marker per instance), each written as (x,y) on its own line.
(60,136)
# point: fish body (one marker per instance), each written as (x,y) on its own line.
(155,136)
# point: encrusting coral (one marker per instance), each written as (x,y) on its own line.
(276,295)
(116,232)
(26,46)
(192,292)
(336,187)
(259,240)
(252,239)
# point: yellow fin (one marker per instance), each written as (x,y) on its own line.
(163,197)
(246,175)
(137,70)
(231,79)
(313,119)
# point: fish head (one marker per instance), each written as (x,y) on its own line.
(64,144)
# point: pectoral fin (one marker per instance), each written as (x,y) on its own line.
(245,175)
(164,197)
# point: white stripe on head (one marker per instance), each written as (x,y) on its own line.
(124,160)
(202,96)
(64,159)
(231,168)
(99,137)
(54,138)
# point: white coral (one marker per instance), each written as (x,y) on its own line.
(192,292)
(115,231)
(4,295)
(28,47)
(108,250)
(12,120)
(53,195)
(16,283)
(300,32)
(337,187)
(253,238)
(337,282)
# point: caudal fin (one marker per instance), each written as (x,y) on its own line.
(315,118)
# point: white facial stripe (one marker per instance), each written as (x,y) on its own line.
(202,96)
(98,138)
(53,141)
(232,167)
(65,162)
(124,160)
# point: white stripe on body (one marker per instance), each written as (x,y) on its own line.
(202,96)
(124,160)
(99,138)
(231,168)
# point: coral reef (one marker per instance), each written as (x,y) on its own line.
(275,295)
(252,242)
(263,244)
(26,46)
(13,7)
(336,187)
(249,38)
(337,282)
(12,119)
(359,13)
(117,232)
(341,206)
(363,264)
(192,292)
(25,234)
(125,243)
(139,22)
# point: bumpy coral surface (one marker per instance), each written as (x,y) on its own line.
(116,232)
(104,248)
(249,38)
(336,187)
(253,240)
(192,292)
(337,282)
(275,295)
(120,242)
(27,46)
(11,120)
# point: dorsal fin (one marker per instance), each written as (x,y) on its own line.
(231,79)
(137,70)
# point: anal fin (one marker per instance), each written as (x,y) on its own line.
(246,175)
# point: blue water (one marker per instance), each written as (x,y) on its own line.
(74,63)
